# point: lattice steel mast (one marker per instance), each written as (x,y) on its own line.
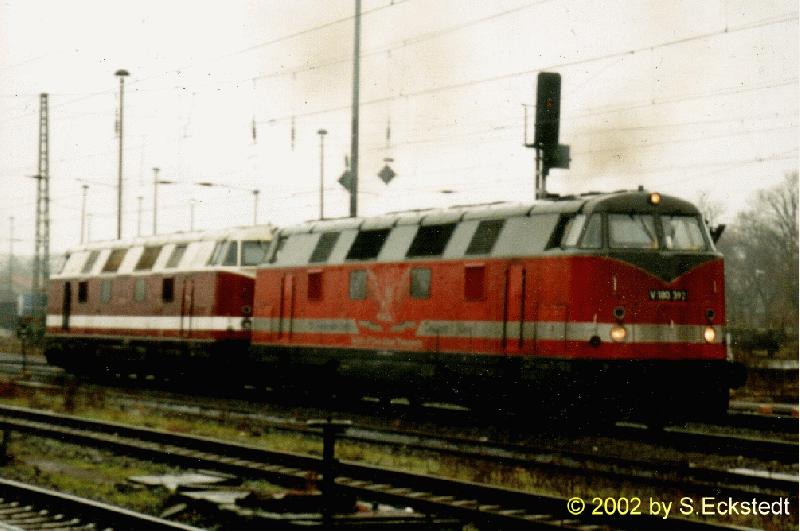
(41,261)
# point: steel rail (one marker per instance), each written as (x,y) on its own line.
(24,506)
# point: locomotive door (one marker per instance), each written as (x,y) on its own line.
(66,306)
(514,309)
(187,307)
(286,307)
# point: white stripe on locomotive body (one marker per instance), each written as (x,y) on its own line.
(148,322)
(532,330)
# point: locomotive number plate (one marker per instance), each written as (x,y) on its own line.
(680,295)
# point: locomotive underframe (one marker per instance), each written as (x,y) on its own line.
(657,389)
(143,356)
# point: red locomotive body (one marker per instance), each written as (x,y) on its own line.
(157,305)
(609,302)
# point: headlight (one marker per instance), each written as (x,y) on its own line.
(654,198)
(709,334)
(618,333)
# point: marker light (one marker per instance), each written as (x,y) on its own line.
(709,334)
(654,199)
(618,333)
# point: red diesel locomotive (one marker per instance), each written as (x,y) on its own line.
(606,303)
(611,303)
(159,305)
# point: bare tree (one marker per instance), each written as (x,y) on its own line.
(761,253)
(711,209)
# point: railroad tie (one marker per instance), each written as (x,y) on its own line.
(443,499)
(464,503)
(15,508)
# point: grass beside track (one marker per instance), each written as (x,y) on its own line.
(103,476)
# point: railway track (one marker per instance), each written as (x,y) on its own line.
(468,502)
(25,507)
(665,473)
(668,473)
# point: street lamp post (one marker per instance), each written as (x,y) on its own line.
(255,206)
(84,190)
(121,74)
(156,182)
(139,200)
(321,133)
(11,258)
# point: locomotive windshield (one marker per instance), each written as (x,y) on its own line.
(632,231)
(682,233)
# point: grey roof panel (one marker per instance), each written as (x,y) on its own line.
(438,217)
(525,235)
(297,249)
(332,225)
(459,241)
(397,243)
(409,218)
(382,222)
(343,244)
(297,229)
(502,210)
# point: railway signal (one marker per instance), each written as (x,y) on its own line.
(548,110)
(549,153)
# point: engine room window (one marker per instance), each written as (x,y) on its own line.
(485,236)
(368,244)
(314,285)
(177,254)
(114,260)
(148,258)
(430,240)
(682,233)
(105,290)
(324,247)
(593,235)
(420,283)
(254,252)
(231,254)
(168,289)
(572,231)
(139,290)
(83,291)
(632,231)
(474,282)
(358,284)
(90,261)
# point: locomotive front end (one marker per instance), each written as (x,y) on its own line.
(653,306)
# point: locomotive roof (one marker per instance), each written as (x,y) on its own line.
(620,201)
(180,251)
(263,232)
(495,229)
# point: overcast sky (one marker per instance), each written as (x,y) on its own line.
(677,96)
